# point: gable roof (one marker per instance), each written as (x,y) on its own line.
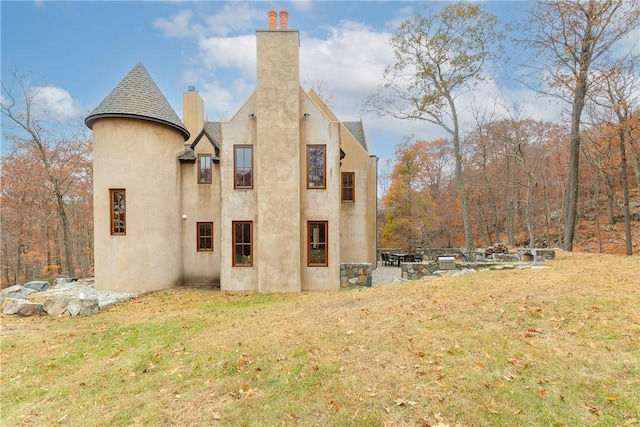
(138,97)
(212,131)
(357,130)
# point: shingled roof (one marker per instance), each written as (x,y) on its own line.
(138,97)
(357,131)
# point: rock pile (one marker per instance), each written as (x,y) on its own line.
(64,298)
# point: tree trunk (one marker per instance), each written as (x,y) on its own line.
(579,94)
(457,151)
(625,189)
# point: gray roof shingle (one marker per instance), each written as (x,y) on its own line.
(138,97)
(357,131)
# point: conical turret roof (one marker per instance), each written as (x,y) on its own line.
(138,97)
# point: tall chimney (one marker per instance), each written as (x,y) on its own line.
(272,19)
(283,19)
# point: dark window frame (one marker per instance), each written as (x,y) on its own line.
(317,245)
(347,190)
(313,169)
(121,215)
(240,247)
(236,167)
(205,174)
(203,237)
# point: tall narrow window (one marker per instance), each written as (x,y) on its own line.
(316,166)
(242,243)
(243,166)
(205,236)
(204,168)
(348,189)
(317,233)
(118,213)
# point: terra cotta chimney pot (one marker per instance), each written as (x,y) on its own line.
(283,19)
(272,19)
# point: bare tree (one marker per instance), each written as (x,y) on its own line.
(62,156)
(620,96)
(570,37)
(438,57)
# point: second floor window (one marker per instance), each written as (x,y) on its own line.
(204,168)
(348,193)
(316,166)
(243,166)
(118,213)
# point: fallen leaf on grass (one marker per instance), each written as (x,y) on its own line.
(531,332)
(595,410)
(541,393)
(516,362)
(402,402)
(612,398)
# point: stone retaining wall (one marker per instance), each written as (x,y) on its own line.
(418,270)
(354,275)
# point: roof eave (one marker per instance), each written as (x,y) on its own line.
(93,118)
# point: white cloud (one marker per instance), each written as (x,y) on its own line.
(229,52)
(303,6)
(235,17)
(179,25)
(53,103)
(232,18)
(349,72)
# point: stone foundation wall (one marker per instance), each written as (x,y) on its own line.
(354,275)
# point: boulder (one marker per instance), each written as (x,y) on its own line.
(89,307)
(11,305)
(37,285)
(11,289)
(74,306)
(30,309)
(57,305)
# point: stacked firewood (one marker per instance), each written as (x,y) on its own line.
(496,248)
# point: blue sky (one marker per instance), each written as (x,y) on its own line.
(78,51)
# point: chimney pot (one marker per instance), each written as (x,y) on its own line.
(272,19)
(283,19)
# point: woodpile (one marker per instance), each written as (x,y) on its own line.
(496,248)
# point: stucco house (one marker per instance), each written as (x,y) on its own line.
(274,199)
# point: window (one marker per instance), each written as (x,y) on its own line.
(317,232)
(204,168)
(205,236)
(316,166)
(243,166)
(348,189)
(242,243)
(118,214)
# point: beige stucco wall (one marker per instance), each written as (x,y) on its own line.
(237,205)
(139,156)
(320,204)
(200,202)
(357,224)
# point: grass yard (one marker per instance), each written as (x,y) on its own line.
(552,347)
